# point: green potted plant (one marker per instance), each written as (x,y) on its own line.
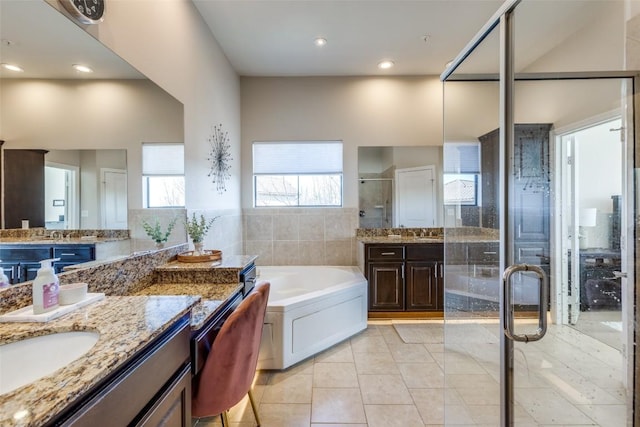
(156,233)
(197,230)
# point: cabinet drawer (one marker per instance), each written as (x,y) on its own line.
(73,253)
(420,252)
(27,254)
(391,253)
(484,252)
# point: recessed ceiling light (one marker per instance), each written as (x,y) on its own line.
(385,65)
(82,68)
(12,67)
(319,41)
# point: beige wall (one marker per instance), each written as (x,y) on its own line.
(360,111)
(172,45)
(90,114)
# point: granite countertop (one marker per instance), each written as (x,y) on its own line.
(402,240)
(411,240)
(95,262)
(125,324)
(65,241)
(213,295)
(235,262)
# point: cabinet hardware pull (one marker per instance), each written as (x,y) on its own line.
(67,254)
(388,253)
(490,253)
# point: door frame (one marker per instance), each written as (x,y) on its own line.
(564,217)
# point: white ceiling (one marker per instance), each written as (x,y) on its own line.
(275,37)
(46,44)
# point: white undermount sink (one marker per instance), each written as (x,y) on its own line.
(23,362)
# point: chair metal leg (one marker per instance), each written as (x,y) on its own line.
(253,406)
(225,419)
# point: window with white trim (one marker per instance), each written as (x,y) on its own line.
(297,173)
(163,175)
(461,173)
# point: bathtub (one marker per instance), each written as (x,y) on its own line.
(310,309)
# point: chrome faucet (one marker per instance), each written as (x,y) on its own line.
(57,235)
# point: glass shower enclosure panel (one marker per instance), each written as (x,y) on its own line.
(375,201)
(511,354)
(471,357)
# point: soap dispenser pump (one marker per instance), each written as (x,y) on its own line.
(45,288)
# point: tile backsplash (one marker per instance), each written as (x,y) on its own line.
(301,236)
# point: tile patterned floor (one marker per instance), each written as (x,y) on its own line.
(393,376)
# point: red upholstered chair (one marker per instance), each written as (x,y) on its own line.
(230,367)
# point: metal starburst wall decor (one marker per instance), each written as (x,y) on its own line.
(219,158)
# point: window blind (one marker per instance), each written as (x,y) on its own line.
(297,157)
(461,157)
(162,159)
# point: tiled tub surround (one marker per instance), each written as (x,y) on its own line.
(125,324)
(301,236)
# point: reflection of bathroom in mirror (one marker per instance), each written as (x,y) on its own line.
(85,189)
(81,121)
(396,183)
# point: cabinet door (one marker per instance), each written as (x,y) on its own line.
(29,270)
(386,290)
(423,286)
(12,270)
(173,408)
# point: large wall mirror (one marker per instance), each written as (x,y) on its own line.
(92,123)
(400,186)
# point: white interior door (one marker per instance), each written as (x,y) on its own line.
(415,197)
(114,199)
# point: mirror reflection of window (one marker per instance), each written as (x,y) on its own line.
(163,175)
(461,173)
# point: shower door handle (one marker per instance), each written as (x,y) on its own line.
(508,303)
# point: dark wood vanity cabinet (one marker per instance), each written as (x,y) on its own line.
(153,388)
(22,261)
(404,277)
(386,286)
(424,277)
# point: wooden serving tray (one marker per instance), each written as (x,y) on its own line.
(208,255)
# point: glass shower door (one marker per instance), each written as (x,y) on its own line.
(509,358)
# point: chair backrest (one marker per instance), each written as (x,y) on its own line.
(231,364)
